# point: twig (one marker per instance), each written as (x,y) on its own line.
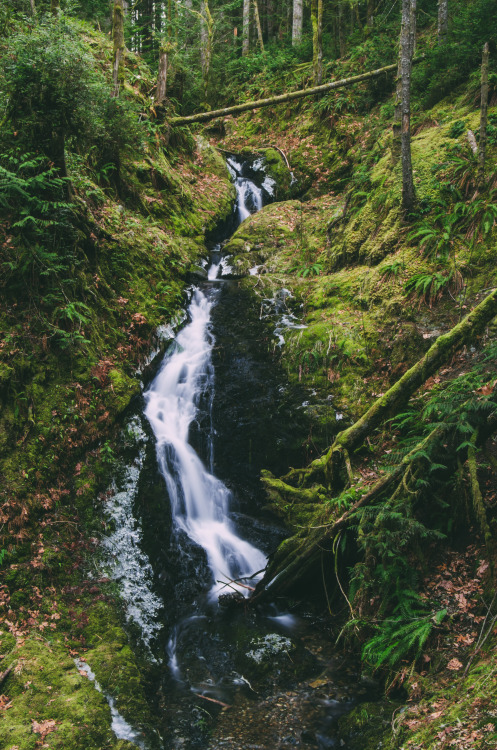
(212,700)
(237,583)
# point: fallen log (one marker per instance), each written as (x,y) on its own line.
(324,469)
(302,551)
(281,98)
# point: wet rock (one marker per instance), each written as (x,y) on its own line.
(270,646)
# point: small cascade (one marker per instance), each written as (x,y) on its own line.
(249,195)
(177,401)
(200,502)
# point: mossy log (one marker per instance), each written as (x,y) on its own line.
(281,98)
(324,469)
(478,506)
(303,550)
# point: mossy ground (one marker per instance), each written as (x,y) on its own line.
(347,256)
(61,408)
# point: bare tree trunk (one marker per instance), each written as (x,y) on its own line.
(342,41)
(443,20)
(54,6)
(298,9)
(206,38)
(317,40)
(246,28)
(258,26)
(270,19)
(482,146)
(33,7)
(407,37)
(162,74)
(371,7)
(119,49)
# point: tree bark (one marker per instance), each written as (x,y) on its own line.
(303,550)
(371,7)
(441,351)
(317,40)
(443,20)
(298,8)
(407,41)
(482,147)
(290,96)
(33,7)
(258,26)
(119,48)
(246,28)
(162,74)
(342,39)
(54,6)
(206,38)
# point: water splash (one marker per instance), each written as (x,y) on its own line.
(128,564)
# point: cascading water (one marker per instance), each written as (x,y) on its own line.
(172,582)
(249,195)
(200,502)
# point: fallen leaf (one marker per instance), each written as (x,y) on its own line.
(44,727)
(454,665)
(318,683)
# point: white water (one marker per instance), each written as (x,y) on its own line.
(128,564)
(249,196)
(200,502)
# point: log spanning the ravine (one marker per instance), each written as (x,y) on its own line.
(281,98)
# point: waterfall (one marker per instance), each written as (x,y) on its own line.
(249,196)
(200,502)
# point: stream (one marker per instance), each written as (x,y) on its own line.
(191,538)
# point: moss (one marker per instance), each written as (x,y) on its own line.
(123,389)
(366,725)
(276,169)
(45,686)
(116,666)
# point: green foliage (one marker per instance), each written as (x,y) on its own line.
(446,66)
(311,269)
(402,636)
(429,287)
(46,82)
(392,269)
(457,129)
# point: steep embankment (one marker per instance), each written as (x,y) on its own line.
(76,330)
(374,292)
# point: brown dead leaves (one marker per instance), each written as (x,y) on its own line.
(5,703)
(44,727)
